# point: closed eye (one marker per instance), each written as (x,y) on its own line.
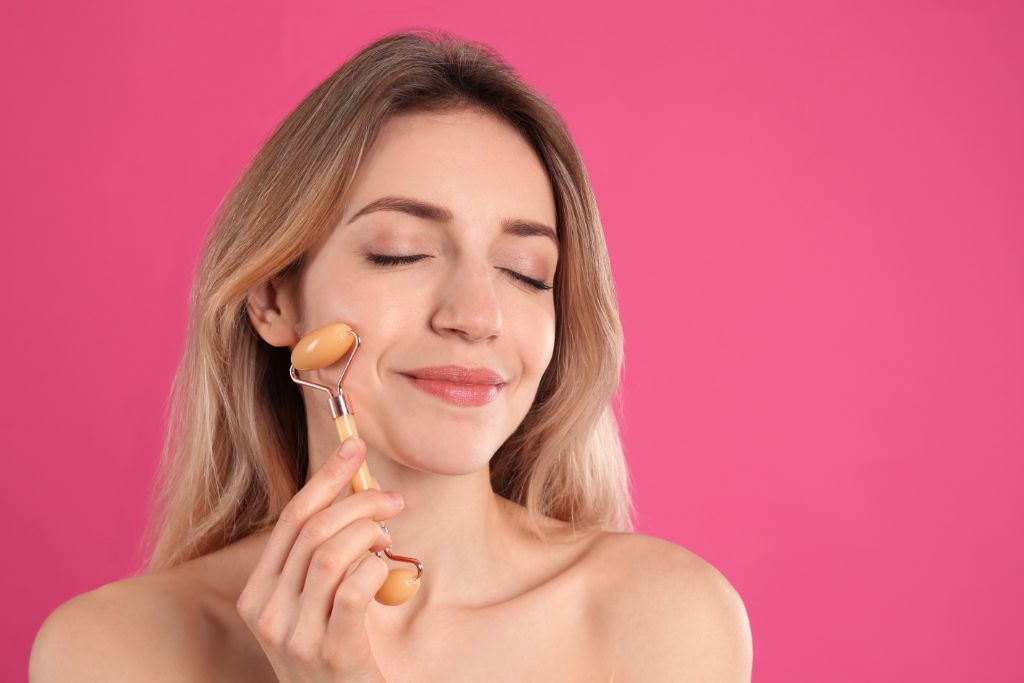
(388,260)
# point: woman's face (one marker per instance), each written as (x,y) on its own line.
(462,303)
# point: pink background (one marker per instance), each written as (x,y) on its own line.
(814,216)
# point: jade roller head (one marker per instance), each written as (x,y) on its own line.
(317,350)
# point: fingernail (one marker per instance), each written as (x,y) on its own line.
(396,498)
(348,448)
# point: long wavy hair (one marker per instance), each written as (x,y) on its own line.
(235,448)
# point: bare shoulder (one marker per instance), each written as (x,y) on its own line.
(669,615)
(146,627)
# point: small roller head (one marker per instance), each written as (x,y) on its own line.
(400,585)
(323,347)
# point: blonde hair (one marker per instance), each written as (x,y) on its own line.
(235,450)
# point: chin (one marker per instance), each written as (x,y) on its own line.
(416,431)
(439,461)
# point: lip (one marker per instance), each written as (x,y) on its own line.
(457,374)
(457,385)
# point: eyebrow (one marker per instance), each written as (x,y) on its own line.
(440,214)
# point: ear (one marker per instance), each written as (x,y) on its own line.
(273,312)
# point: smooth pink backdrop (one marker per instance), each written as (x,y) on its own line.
(814,213)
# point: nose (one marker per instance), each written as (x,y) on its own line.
(469,305)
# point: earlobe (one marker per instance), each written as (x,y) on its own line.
(270,312)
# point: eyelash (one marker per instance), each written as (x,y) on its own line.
(386,260)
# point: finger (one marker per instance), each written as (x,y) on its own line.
(330,563)
(324,525)
(352,597)
(332,477)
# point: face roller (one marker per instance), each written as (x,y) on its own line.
(319,349)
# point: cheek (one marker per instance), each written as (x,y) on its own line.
(334,292)
(538,345)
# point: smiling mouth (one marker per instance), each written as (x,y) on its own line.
(469,395)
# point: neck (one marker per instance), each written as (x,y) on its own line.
(466,536)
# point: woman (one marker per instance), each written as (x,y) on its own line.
(425,196)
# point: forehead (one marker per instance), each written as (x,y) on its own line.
(471,161)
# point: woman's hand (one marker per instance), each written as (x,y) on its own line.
(306,599)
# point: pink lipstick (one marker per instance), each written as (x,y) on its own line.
(457,384)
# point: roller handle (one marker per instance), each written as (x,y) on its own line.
(346,426)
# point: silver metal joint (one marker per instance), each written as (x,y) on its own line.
(340,405)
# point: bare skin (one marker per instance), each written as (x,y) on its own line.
(547,613)
(495,604)
(616,607)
